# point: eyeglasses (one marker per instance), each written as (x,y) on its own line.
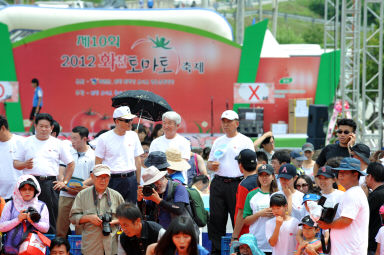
(346,132)
(125,120)
(299,186)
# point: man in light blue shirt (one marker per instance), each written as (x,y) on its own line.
(37,102)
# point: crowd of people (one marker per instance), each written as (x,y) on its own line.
(133,190)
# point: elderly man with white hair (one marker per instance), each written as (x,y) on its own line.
(171,139)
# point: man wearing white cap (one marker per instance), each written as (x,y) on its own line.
(120,149)
(95,209)
(227,176)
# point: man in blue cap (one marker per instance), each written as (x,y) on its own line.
(349,232)
(287,176)
(297,159)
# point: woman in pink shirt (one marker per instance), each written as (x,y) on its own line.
(23,213)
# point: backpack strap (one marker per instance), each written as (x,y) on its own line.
(196,164)
(171,189)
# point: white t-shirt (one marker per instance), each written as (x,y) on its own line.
(46,154)
(380,239)
(308,171)
(258,201)
(352,240)
(179,142)
(119,152)
(229,148)
(298,209)
(286,243)
(8,174)
(84,163)
(333,198)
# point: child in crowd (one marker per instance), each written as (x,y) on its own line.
(326,179)
(297,159)
(287,176)
(281,230)
(256,208)
(380,235)
(247,245)
(310,201)
(247,165)
(17,213)
(309,151)
(310,230)
(180,238)
(177,165)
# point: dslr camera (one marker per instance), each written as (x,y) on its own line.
(147,189)
(106,218)
(327,213)
(34,214)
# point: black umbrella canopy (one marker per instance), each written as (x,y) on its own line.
(143,103)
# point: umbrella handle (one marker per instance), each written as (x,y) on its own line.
(138,123)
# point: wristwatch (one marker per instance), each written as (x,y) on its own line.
(65,182)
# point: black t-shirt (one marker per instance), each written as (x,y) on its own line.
(149,235)
(331,151)
(375,201)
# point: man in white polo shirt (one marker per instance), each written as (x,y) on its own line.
(227,176)
(40,155)
(171,139)
(120,149)
(84,158)
(8,174)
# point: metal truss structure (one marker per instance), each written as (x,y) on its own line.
(350,56)
(372,83)
(331,25)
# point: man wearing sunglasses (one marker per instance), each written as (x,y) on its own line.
(346,138)
(120,149)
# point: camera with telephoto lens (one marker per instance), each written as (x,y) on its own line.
(106,218)
(33,214)
(327,213)
(147,189)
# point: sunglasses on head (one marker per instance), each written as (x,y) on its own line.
(302,185)
(125,120)
(346,132)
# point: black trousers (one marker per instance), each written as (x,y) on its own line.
(32,115)
(222,200)
(51,198)
(126,186)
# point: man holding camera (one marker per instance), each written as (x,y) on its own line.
(349,233)
(161,205)
(95,208)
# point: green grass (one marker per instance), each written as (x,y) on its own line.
(289,31)
(298,7)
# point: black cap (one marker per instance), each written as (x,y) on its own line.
(247,158)
(266,168)
(157,159)
(308,147)
(287,171)
(362,151)
(30,182)
(307,221)
(326,171)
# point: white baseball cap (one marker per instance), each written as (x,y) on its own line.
(230,115)
(101,169)
(123,112)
